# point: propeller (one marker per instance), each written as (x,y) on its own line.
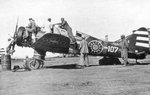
(11,47)
(15,34)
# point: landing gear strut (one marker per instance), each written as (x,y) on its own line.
(109,61)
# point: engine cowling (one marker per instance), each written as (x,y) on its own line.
(19,36)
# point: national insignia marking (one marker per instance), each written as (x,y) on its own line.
(95,46)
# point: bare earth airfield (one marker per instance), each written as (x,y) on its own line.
(59,77)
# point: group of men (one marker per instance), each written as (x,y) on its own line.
(84,61)
(31,28)
(31,31)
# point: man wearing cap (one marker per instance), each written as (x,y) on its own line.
(84,61)
(64,25)
(31,28)
(124,50)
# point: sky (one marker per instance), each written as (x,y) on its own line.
(94,17)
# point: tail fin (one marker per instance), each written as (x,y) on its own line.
(139,40)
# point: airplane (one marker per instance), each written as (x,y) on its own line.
(60,43)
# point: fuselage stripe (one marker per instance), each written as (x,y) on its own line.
(142,38)
(142,44)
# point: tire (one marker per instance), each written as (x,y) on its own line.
(101,62)
(116,61)
(34,64)
(109,61)
(19,37)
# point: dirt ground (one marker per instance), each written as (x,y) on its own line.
(59,77)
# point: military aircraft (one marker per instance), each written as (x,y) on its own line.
(60,43)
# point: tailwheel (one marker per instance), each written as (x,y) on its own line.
(34,64)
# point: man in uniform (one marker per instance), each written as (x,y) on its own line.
(31,29)
(26,66)
(84,61)
(124,50)
(64,25)
(31,26)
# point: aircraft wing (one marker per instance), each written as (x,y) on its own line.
(52,43)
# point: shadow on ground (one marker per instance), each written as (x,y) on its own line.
(73,66)
(138,63)
(69,66)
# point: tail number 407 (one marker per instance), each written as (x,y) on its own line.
(112,49)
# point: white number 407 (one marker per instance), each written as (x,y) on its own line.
(112,49)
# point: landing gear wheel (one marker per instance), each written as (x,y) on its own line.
(116,61)
(34,64)
(101,62)
(109,61)
(19,36)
